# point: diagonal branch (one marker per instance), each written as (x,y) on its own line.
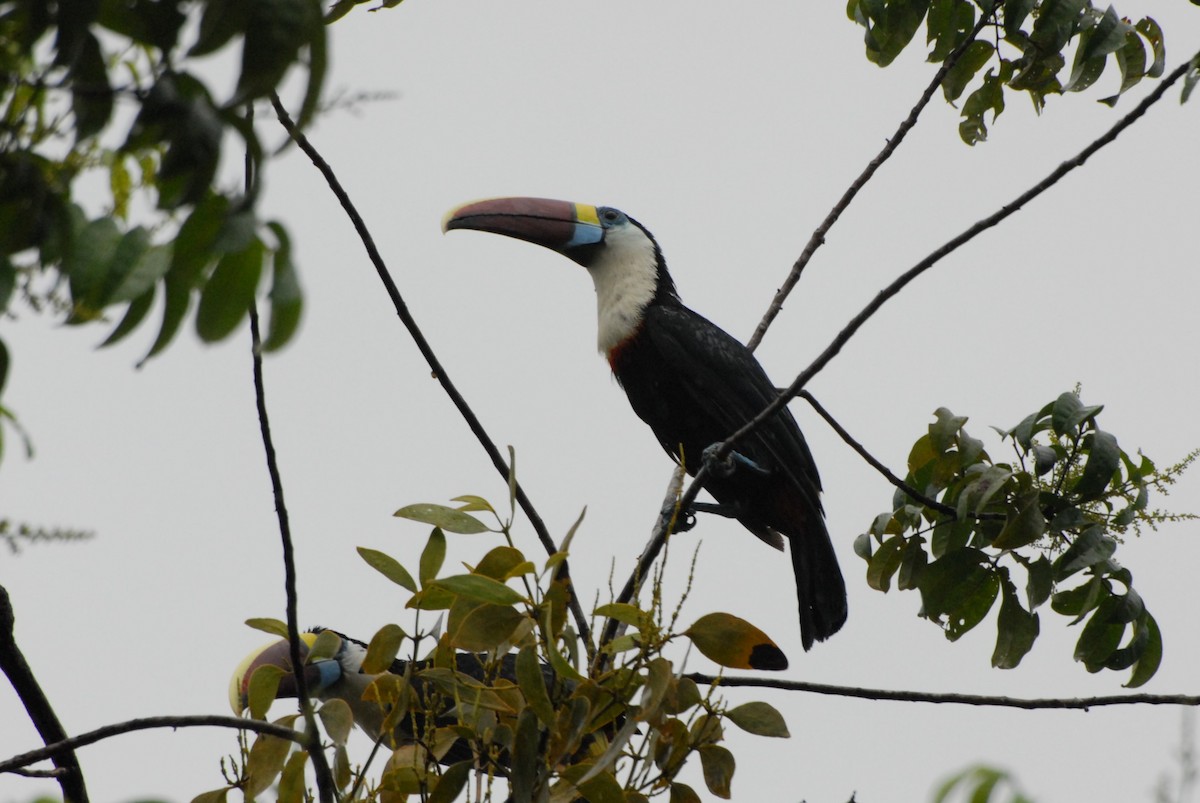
(312,744)
(1067,703)
(23,681)
(67,746)
(360,226)
(818,236)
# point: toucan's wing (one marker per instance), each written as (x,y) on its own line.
(711,365)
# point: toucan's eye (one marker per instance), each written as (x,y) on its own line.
(610,215)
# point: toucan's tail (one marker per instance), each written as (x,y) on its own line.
(819,585)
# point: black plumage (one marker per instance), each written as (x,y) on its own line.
(695,385)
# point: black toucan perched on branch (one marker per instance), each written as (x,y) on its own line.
(693,383)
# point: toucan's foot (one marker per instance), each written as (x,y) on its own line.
(735,460)
(684,521)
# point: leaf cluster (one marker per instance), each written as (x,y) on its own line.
(1030,44)
(1056,513)
(506,691)
(66,66)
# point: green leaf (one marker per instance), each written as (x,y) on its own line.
(262,688)
(267,625)
(1091,547)
(758,718)
(718,766)
(291,781)
(682,793)
(287,300)
(338,719)
(432,556)
(134,314)
(87,267)
(220,795)
(447,518)
(451,784)
(1056,22)
(624,613)
(1024,522)
(221,21)
(1069,412)
(481,627)
(275,31)
(1151,657)
(960,586)
(532,682)
(1100,637)
(389,567)
(91,93)
(1015,14)
(885,562)
(1040,582)
(1153,34)
(526,756)
(735,643)
(973,59)
(382,650)
(1016,630)
(500,562)
(890,27)
(1104,458)
(227,295)
(479,588)
(267,756)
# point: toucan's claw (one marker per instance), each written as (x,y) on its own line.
(684,519)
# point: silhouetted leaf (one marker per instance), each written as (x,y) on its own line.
(226,298)
(1016,630)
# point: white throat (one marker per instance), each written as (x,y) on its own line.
(626,278)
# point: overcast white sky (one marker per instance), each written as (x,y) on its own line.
(729,133)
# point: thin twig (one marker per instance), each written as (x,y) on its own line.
(66,746)
(884,470)
(325,782)
(818,235)
(37,705)
(1068,703)
(435,365)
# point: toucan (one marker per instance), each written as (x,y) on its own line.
(692,382)
(340,677)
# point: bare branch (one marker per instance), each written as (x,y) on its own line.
(581,621)
(818,236)
(1067,703)
(12,662)
(325,782)
(67,746)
